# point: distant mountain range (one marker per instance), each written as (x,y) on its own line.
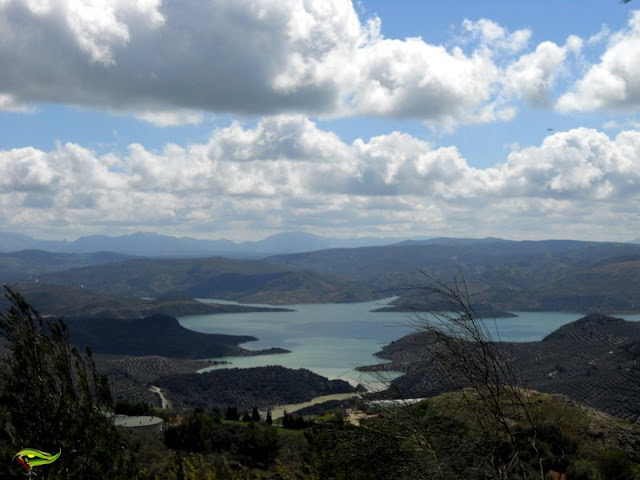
(155,245)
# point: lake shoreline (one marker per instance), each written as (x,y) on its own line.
(340,341)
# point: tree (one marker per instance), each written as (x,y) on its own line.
(232,414)
(255,415)
(269,420)
(52,398)
(258,444)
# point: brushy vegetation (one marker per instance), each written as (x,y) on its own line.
(444,438)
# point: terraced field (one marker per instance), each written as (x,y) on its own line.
(130,376)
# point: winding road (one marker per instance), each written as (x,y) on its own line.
(166,403)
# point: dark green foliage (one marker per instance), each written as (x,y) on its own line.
(232,413)
(258,444)
(582,470)
(255,415)
(344,452)
(294,422)
(51,400)
(255,443)
(615,465)
(249,387)
(200,432)
(426,442)
(153,335)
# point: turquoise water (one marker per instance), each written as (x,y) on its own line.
(332,339)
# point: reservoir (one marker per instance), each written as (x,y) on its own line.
(333,339)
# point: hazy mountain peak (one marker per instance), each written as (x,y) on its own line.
(154,244)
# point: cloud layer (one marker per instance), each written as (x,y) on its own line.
(168,60)
(286,173)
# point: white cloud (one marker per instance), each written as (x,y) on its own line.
(582,164)
(412,78)
(490,33)
(286,173)
(614,83)
(533,75)
(170,118)
(94,27)
(8,103)
(599,37)
(169,61)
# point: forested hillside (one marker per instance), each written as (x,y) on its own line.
(554,275)
(248,281)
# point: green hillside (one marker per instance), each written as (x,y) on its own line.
(240,280)
(155,335)
(29,264)
(56,300)
(508,275)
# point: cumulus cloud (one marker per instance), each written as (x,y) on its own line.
(534,74)
(492,34)
(414,79)
(614,83)
(286,173)
(170,60)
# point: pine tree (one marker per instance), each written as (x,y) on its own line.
(255,415)
(269,420)
(52,399)
(232,413)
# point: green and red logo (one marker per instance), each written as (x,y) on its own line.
(30,457)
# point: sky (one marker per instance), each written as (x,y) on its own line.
(240,119)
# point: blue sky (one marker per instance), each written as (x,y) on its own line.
(240,119)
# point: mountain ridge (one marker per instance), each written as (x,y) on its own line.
(157,245)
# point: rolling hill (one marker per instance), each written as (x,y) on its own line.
(56,300)
(248,281)
(29,264)
(558,275)
(156,335)
(552,275)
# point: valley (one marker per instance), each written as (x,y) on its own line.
(190,334)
